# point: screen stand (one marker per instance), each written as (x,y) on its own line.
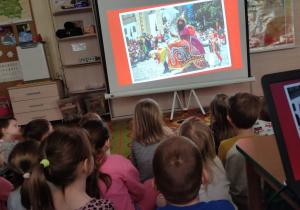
(192,92)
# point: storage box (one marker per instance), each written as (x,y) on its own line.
(96,104)
(88,29)
(72,108)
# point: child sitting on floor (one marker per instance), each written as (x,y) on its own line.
(178,174)
(9,130)
(219,124)
(148,131)
(125,189)
(60,180)
(22,159)
(243,111)
(217,187)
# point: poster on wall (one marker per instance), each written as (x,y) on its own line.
(271,25)
(24,32)
(14,11)
(7,35)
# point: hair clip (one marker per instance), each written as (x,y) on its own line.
(26,176)
(45,162)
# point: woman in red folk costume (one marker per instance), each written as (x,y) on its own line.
(188,50)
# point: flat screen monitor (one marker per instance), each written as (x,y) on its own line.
(154,46)
(282,93)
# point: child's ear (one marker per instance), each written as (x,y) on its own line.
(229,119)
(205,177)
(154,186)
(4,131)
(85,166)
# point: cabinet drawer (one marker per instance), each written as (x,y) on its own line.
(51,114)
(27,93)
(35,104)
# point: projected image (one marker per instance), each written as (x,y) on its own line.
(176,40)
(293,96)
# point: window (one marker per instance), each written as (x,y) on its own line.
(125,30)
(133,28)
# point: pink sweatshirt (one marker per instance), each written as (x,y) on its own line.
(6,188)
(125,187)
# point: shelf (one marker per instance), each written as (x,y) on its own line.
(72,11)
(77,37)
(82,64)
(107,113)
(86,91)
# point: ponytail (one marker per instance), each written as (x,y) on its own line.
(25,199)
(39,190)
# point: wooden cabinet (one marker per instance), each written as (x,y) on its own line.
(36,101)
(81,77)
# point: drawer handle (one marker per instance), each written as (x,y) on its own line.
(33,93)
(34,118)
(35,105)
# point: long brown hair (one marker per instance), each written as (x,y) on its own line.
(99,134)
(22,159)
(148,122)
(218,118)
(65,148)
(197,131)
(36,129)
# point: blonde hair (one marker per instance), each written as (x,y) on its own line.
(219,118)
(148,122)
(197,131)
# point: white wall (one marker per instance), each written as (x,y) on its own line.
(44,26)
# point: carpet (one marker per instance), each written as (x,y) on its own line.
(121,130)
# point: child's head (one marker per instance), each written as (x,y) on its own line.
(21,160)
(37,129)
(218,117)
(148,122)
(218,108)
(197,131)
(88,116)
(65,156)
(99,133)
(9,127)
(243,109)
(264,112)
(177,168)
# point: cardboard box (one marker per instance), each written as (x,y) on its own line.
(88,29)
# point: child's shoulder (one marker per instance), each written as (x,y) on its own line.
(218,204)
(229,142)
(8,145)
(5,185)
(212,205)
(116,158)
(118,162)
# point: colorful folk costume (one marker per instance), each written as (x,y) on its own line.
(186,51)
(215,58)
(160,53)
